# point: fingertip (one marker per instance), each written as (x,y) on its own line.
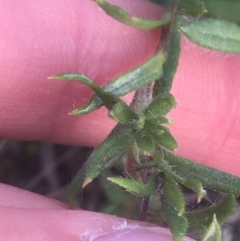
(139,234)
(14,197)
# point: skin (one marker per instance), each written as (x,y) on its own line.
(47,37)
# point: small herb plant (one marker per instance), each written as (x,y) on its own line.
(142,139)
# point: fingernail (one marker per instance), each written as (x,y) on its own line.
(139,234)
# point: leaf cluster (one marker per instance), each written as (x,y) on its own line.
(142,139)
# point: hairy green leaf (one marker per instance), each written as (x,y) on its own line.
(215,34)
(75,187)
(144,142)
(106,97)
(213,233)
(120,139)
(195,8)
(123,113)
(201,219)
(192,184)
(136,22)
(160,106)
(174,193)
(177,223)
(171,44)
(159,120)
(135,186)
(161,136)
(209,177)
(196,186)
(224,9)
(128,82)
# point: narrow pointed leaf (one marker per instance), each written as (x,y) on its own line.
(75,187)
(171,44)
(135,186)
(174,193)
(144,142)
(195,8)
(214,34)
(128,82)
(159,120)
(138,77)
(201,219)
(221,9)
(196,186)
(160,106)
(123,113)
(177,223)
(213,233)
(192,184)
(93,104)
(107,98)
(209,177)
(114,160)
(136,22)
(120,139)
(161,136)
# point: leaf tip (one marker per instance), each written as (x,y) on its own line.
(74,112)
(57,76)
(180,213)
(86,182)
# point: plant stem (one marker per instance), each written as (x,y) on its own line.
(142,98)
(144,209)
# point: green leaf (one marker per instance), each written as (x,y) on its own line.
(192,184)
(214,34)
(171,44)
(106,97)
(159,120)
(75,187)
(201,219)
(224,9)
(155,212)
(177,223)
(119,140)
(135,186)
(136,22)
(123,113)
(174,193)
(144,142)
(128,82)
(209,177)
(161,135)
(160,106)
(161,2)
(213,233)
(116,202)
(196,186)
(195,8)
